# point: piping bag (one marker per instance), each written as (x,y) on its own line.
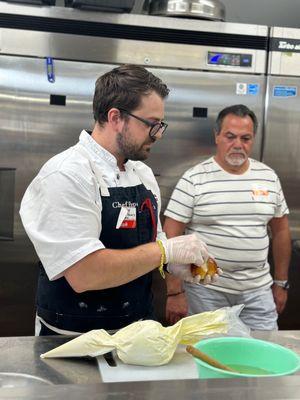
(148,343)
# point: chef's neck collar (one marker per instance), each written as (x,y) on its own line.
(126,164)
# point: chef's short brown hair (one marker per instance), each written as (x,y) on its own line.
(123,87)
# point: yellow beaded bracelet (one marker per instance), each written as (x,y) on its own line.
(162,258)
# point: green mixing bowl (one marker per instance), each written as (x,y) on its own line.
(251,357)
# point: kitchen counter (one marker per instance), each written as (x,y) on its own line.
(79,378)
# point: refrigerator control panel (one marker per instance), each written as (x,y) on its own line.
(230,59)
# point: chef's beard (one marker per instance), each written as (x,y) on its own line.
(236,161)
(132,151)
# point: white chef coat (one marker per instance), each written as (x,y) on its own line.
(61,209)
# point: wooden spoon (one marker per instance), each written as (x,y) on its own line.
(211,361)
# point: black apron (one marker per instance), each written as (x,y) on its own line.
(60,306)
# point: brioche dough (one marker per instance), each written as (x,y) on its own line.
(208,268)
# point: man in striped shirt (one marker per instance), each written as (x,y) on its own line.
(231,200)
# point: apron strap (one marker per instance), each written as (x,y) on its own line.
(99,178)
(144,180)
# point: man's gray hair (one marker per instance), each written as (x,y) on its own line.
(240,110)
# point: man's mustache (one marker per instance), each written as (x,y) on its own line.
(237,152)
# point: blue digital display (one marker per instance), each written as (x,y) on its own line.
(215,58)
(233,60)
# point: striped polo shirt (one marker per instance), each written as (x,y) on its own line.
(231,213)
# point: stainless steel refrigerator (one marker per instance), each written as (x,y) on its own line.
(282,134)
(281,148)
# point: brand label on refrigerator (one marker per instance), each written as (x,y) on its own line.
(285,91)
(285,45)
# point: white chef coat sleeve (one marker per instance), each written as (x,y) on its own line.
(62,217)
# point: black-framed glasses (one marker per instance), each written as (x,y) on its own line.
(155,127)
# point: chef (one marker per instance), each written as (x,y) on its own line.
(92,214)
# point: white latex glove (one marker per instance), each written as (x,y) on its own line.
(186,249)
(210,278)
(183,272)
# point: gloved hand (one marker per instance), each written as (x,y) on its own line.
(186,249)
(183,272)
(211,278)
(209,272)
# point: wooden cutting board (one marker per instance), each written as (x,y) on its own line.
(182,366)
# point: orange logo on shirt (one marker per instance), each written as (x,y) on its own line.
(260,192)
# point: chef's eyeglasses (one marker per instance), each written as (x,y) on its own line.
(155,127)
